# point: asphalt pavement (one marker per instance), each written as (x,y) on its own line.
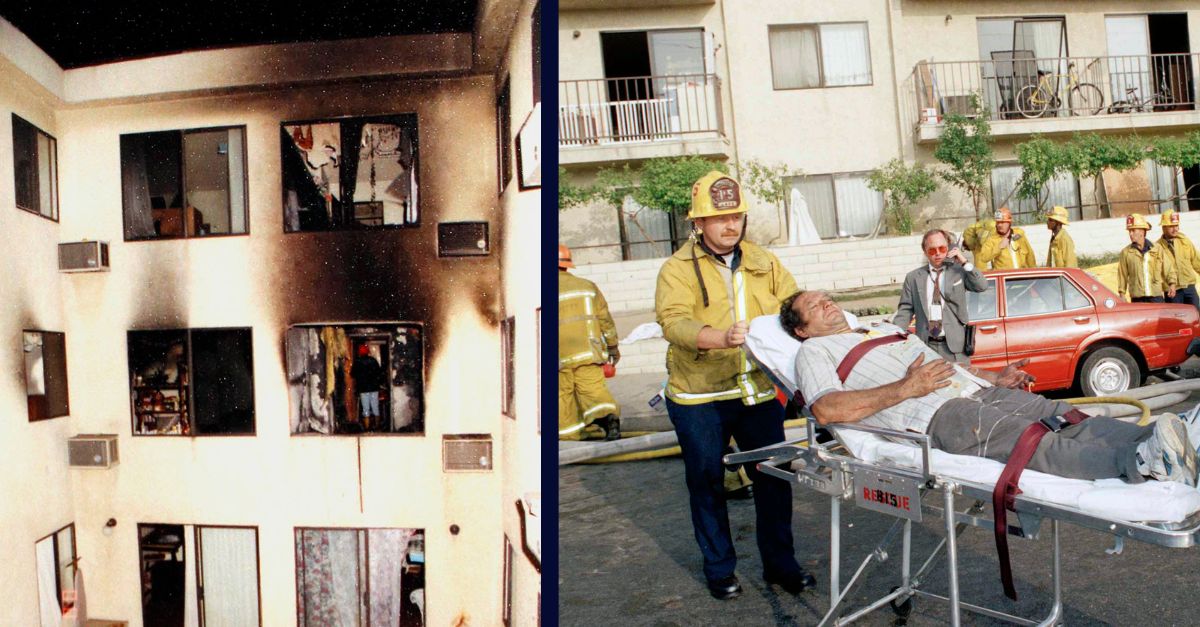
(627,556)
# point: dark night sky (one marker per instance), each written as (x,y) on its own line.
(77,34)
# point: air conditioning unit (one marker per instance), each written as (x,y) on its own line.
(462,239)
(83,257)
(466,452)
(95,450)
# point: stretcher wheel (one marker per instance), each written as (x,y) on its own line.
(902,610)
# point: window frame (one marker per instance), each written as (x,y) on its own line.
(17,121)
(191,387)
(504,138)
(379,118)
(506,586)
(424,412)
(298,561)
(183,184)
(197,542)
(66,387)
(816,26)
(508,334)
(1013,198)
(1060,279)
(831,177)
(53,538)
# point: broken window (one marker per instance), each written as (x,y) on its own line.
(56,575)
(360,577)
(45,374)
(35,168)
(184,183)
(350,173)
(226,585)
(352,379)
(192,382)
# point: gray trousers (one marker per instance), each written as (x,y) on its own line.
(990,424)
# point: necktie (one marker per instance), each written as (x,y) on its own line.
(935,326)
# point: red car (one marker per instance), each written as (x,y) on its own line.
(1075,331)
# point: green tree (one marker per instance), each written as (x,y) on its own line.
(902,187)
(570,194)
(666,183)
(770,184)
(1041,160)
(965,149)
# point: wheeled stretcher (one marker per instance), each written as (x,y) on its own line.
(899,474)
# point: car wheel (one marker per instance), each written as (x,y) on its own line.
(1109,372)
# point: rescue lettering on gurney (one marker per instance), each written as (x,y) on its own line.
(888,494)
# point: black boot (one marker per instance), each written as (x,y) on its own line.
(611,425)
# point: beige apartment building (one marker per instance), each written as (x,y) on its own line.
(188,436)
(834,90)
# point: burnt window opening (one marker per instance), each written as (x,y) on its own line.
(536,51)
(507,578)
(35,169)
(192,382)
(350,173)
(45,355)
(226,591)
(360,577)
(56,562)
(504,159)
(356,379)
(508,367)
(179,184)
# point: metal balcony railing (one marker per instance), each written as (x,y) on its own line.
(1015,85)
(647,108)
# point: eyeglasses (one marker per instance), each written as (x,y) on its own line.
(933,250)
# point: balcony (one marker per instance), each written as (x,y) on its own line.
(1025,95)
(624,119)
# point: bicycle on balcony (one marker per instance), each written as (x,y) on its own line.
(1034,101)
(1132,104)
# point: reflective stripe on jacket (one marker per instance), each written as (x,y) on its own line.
(1140,274)
(585,328)
(756,288)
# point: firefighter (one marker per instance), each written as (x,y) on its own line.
(974,236)
(1180,263)
(1006,247)
(587,340)
(707,293)
(1062,247)
(1139,266)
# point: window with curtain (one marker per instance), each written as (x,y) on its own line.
(840,205)
(199,575)
(649,233)
(228,558)
(350,173)
(363,577)
(55,558)
(177,184)
(1166,186)
(1061,190)
(804,56)
(35,168)
(354,379)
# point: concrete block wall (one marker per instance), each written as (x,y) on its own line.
(880,262)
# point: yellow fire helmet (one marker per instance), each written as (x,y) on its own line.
(1059,215)
(1136,221)
(716,194)
(1168,218)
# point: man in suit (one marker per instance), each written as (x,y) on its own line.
(936,293)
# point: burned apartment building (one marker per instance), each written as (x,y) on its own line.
(266,360)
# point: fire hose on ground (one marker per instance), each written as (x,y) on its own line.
(653,445)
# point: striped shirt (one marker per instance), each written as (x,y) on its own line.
(818,359)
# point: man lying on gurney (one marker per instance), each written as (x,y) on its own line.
(903,385)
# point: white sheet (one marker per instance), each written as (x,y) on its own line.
(1160,501)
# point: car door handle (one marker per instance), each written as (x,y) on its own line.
(987,328)
(1082,319)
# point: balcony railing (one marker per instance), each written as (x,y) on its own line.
(647,108)
(1014,85)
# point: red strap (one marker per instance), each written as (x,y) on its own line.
(1006,491)
(857,353)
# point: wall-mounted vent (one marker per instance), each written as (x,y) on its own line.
(97,450)
(83,257)
(467,452)
(463,239)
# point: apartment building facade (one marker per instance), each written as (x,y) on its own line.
(271,215)
(834,90)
